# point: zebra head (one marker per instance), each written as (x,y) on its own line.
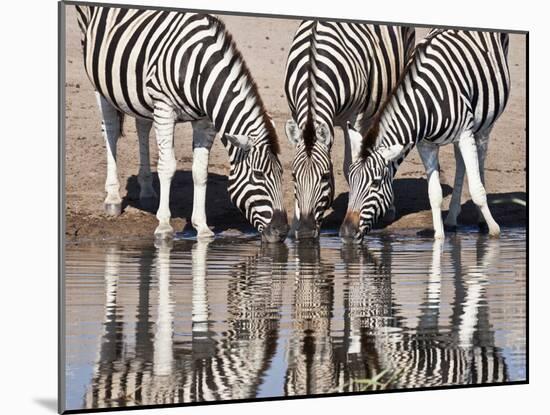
(371,187)
(312,176)
(255,184)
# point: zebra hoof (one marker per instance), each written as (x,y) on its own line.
(148,203)
(205,233)
(494,232)
(113,209)
(164,232)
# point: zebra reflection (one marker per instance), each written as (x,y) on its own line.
(242,355)
(105,389)
(368,314)
(122,374)
(152,368)
(311,361)
(168,338)
(443,350)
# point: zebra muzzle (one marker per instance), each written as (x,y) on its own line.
(349,231)
(277,229)
(306,228)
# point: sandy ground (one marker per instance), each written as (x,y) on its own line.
(264,44)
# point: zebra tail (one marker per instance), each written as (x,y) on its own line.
(121,117)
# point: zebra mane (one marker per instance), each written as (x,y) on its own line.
(370,135)
(229,45)
(309,134)
(309,129)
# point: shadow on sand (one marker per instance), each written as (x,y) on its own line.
(221,213)
(411,196)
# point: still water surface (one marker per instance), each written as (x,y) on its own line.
(234,319)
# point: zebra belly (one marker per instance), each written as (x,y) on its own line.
(125,97)
(126,109)
(137,109)
(452,125)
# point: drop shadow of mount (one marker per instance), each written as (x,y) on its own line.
(411,196)
(220,212)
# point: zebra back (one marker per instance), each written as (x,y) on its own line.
(136,57)
(456,80)
(339,70)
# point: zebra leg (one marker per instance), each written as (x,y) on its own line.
(347,154)
(429,153)
(164,122)
(199,298)
(347,146)
(203,137)
(147,194)
(456,198)
(110,126)
(163,355)
(468,148)
(482,142)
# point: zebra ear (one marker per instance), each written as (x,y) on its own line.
(239,141)
(391,153)
(322,132)
(293,132)
(355,140)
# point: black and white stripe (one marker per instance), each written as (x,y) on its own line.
(146,364)
(452,91)
(166,67)
(446,340)
(336,73)
(339,330)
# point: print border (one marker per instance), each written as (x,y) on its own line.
(62,218)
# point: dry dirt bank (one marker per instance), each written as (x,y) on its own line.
(264,44)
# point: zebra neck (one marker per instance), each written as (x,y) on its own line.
(237,115)
(394,165)
(400,126)
(235,108)
(224,90)
(322,114)
(401,123)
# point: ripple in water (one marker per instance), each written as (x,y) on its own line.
(235,319)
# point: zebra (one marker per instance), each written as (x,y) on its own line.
(312,362)
(446,340)
(452,91)
(167,67)
(432,355)
(145,364)
(339,330)
(336,72)
(363,326)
